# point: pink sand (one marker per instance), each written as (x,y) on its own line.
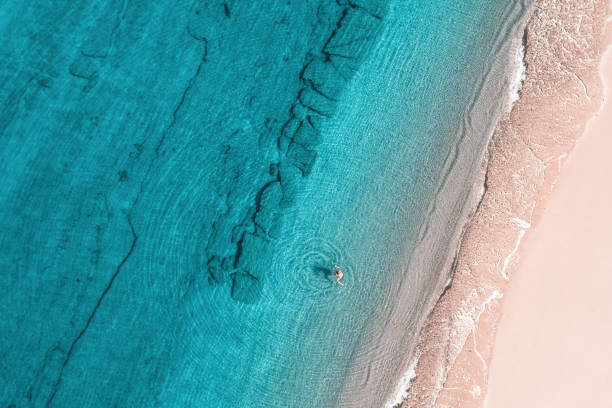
(562,91)
(554,341)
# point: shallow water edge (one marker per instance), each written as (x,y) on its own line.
(525,158)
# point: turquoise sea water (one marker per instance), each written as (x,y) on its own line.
(179,177)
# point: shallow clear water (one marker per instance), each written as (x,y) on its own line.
(178,179)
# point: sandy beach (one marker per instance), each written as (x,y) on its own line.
(563,45)
(554,340)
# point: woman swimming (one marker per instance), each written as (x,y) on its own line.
(339,275)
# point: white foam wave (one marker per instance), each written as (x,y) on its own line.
(524,224)
(518,76)
(401,390)
(509,257)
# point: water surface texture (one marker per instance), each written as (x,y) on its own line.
(179,177)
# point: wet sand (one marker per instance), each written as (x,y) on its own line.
(563,42)
(554,341)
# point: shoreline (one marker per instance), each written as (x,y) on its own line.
(546,352)
(516,76)
(499,89)
(524,159)
(424,258)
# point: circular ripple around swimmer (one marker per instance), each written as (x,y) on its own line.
(302,274)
